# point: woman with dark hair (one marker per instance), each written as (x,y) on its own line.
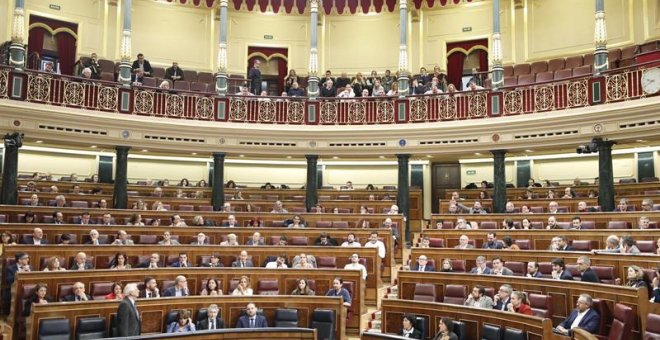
(302,288)
(509,244)
(202,184)
(483,195)
(7,238)
(183,325)
(408,330)
(230,184)
(116,293)
(445,327)
(370,187)
(119,262)
(39,295)
(30,217)
(212,288)
(184,182)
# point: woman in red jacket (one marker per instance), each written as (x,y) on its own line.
(518,304)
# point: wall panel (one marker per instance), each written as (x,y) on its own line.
(484,172)
(360,175)
(174,171)
(293,175)
(58,164)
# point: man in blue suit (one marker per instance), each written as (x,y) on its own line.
(423,265)
(583,317)
(252,320)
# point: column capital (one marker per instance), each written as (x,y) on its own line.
(219,154)
(403,155)
(312,158)
(122,148)
(498,152)
(13,140)
(604,143)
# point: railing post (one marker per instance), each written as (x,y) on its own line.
(313,79)
(498,71)
(125,70)
(404,77)
(221,76)
(17,47)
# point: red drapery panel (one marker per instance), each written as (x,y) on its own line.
(279,54)
(339,5)
(301,6)
(276,5)
(65,35)
(391,5)
(365,4)
(378,5)
(456,54)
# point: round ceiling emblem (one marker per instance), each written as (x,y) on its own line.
(495,137)
(402,142)
(125,134)
(599,128)
(312,144)
(16,123)
(221,141)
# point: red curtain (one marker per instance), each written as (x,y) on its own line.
(456,58)
(282,64)
(66,42)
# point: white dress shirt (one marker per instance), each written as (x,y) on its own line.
(579,318)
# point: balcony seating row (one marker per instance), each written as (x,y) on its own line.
(621,189)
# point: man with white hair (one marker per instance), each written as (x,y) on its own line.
(87,73)
(201,240)
(583,317)
(463,243)
(394,210)
(212,320)
(423,265)
(180,287)
(128,317)
(395,230)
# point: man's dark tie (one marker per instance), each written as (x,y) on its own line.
(251,323)
(212,324)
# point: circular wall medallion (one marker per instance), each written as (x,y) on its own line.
(221,141)
(495,137)
(16,123)
(312,144)
(598,128)
(402,142)
(125,134)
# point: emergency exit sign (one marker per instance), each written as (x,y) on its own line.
(268,37)
(471,172)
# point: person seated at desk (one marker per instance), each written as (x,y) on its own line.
(212,288)
(296,222)
(182,262)
(243,287)
(174,73)
(518,305)
(279,263)
(80,262)
(355,264)
(445,327)
(296,91)
(338,290)
(232,240)
(252,319)
(180,287)
(351,242)
(302,288)
(326,240)
(302,262)
(214,262)
(141,64)
(78,293)
(559,271)
(168,240)
(242,261)
(587,273)
(212,320)
(503,297)
(116,293)
(481,267)
(183,325)
(201,240)
(154,259)
(408,330)
(533,269)
(423,265)
(150,290)
(499,268)
(38,296)
(583,317)
(231,222)
(137,78)
(479,299)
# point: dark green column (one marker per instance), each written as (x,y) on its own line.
(218,194)
(403,194)
(9,194)
(120,194)
(311,186)
(499,182)
(605,174)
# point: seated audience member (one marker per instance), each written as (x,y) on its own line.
(65,239)
(576,223)
(508,224)
(103,204)
(53,264)
(212,287)
(453,209)
(553,208)
(86,73)
(232,240)
(518,304)
(461,224)
(302,262)
(464,243)
(199,221)
(180,287)
(533,269)
(423,265)
(78,293)
(21,265)
(390,225)
(38,237)
(107,219)
(325,240)
(552,223)
(116,293)
(583,317)
(562,244)
(338,290)
(583,208)
(628,246)
(647,204)
(142,64)
(302,288)
(80,262)
(296,91)
(242,261)
(7,238)
(347,92)
(279,263)
(58,217)
(39,296)
(491,242)
(612,245)
(481,267)
(139,205)
(183,325)
(212,321)
(150,289)
(164,85)
(499,268)
(168,240)
(374,242)
(433,89)
(408,329)
(182,262)
(152,263)
(509,244)
(137,78)
(201,240)
(634,278)
(510,208)
(282,241)
(476,208)
(526,224)
(569,193)
(214,262)
(425,242)
(503,298)
(122,239)
(34,201)
(174,73)
(351,241)
(255,240)
(643,223)
(329,90)
(296,222)
(551,196)
(231,222)
(446,325)
(356,265)
(479,299)
(93,238)
(251,319)
(120,262)
(177,221)
(417,88)
(278,208)
(446,266)
(588,274)
(136,220)
(623,205)
(559,271)
(243,287)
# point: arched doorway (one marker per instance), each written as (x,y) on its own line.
(274,65)
(52,41)
(463,56)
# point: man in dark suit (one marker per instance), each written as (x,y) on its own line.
(583,317)
(174,73)
(251,319)
(562,244)
(533,269)
(255,78)
(231,222)
(409,329)
(183,261)
(80,263)
(22,265)
(503,297)
(481,267)
(150,290)
(180,287)
(128,316)
(214,262)
(78,293)
(328,89)
(255,240)
(492,242)
(423,265)
(212,321)
(588,274)
(242,261)
(559,271)
(142,64)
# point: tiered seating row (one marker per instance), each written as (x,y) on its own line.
(565,204)
(622,189)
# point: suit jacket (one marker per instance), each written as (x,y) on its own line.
(589,323)
(427,268)
(204,324)
(255,80)
(170,72)
(505,271)
(259,322)
(178,265)
(30,240)
(10,273)
(251,243)
(135,78)
(172,292)
(128,319)
(486,271)
(487,245)
(143,294)
(590,275)
(146,66)
(656,295)
(208,265)
(416,333)
(328,93)
(88,266)
(501,305)
(566,275)
(72,298)
(537,274)
(567,248)
(235,225)
(237,264)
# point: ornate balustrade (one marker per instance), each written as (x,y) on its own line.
(612,86)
